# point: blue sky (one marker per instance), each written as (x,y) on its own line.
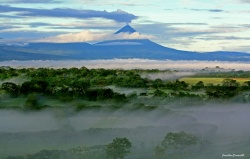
(196,25)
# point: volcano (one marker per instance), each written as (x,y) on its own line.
(111,49)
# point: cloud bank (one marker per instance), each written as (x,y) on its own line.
(245,1)
(208,10)
(88,36)
(29,1)
(118,15)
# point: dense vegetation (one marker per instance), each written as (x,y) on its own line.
(67,85)
(225,74)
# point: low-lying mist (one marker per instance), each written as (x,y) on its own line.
(230,119)
(221,125)
(167,76)
(129,64)
(16,80)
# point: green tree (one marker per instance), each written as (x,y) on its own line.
(179,140)
(198,85)
(119,148)
(160,93)
(11,88)
(230,83)
(158,83)
(181,85)
(223,92)
(37,85)
(246,85)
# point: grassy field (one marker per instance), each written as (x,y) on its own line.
(206,81)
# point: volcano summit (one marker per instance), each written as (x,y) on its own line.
(126,29)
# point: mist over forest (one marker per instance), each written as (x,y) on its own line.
(82,112)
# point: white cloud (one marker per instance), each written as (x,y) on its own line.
(111,2)
(245,1)
(74,37)
(89,36)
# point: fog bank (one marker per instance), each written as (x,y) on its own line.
(230,119)
(226,127)
(129,64)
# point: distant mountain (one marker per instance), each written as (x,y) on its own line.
(130,48)
(8,53)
